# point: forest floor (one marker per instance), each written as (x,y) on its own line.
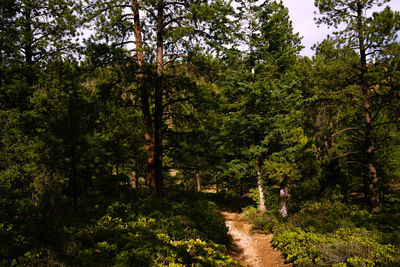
(251,249)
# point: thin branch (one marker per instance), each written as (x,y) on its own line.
(346,154)
(346,130)
(386,123)
(172,60)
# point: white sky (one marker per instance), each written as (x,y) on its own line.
(302,14)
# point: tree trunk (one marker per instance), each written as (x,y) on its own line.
(158,109)
(134,178)
(74,182)
(370,156)
(28,35)
(369,143)
(28,43)
(262,206)
(198,180)
(284,196)
(148,126)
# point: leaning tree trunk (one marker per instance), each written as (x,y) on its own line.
(148,126)
(370,147)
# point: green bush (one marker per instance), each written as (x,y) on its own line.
(353,247)
(323,217)
(299,246)
(165,233)
(331,233)
(180,230)
(265,223)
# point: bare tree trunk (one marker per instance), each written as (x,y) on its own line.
(158,109)
(262,205)
(284,196)
(198,180)
(370,147)
(134,178)
(370,151)
(149,133)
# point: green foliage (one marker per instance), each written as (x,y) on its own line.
(331,233)
(181,230)
(153,233)
(352,247)
(238,102)
(265,222)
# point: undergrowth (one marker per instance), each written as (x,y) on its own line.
(183,229)
(330,233)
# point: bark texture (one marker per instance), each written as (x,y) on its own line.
(262,206)
(369,142)
(147,121)
(198,180)
(284,197)
(158,109)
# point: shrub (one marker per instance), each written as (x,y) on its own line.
(137,230)
(266,222)
(330,233)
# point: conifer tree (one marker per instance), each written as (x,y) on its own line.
(163,32)
(368,36)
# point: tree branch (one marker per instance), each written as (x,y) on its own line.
(346,130)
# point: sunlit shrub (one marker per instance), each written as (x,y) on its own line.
(263,222)
(330,233)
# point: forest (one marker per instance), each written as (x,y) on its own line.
(126,126)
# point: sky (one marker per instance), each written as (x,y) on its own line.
(302,15)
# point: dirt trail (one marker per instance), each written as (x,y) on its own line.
(252,250)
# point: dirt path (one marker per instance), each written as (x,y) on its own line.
(253,250)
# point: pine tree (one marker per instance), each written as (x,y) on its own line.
(368,36)
(164,31)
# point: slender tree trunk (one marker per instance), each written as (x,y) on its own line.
(134,179)
(74,182)
(158,109)
(284,196)
(262,205)
(148,126)
(198,180)
(28,35)
(28,44)
(370,147)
